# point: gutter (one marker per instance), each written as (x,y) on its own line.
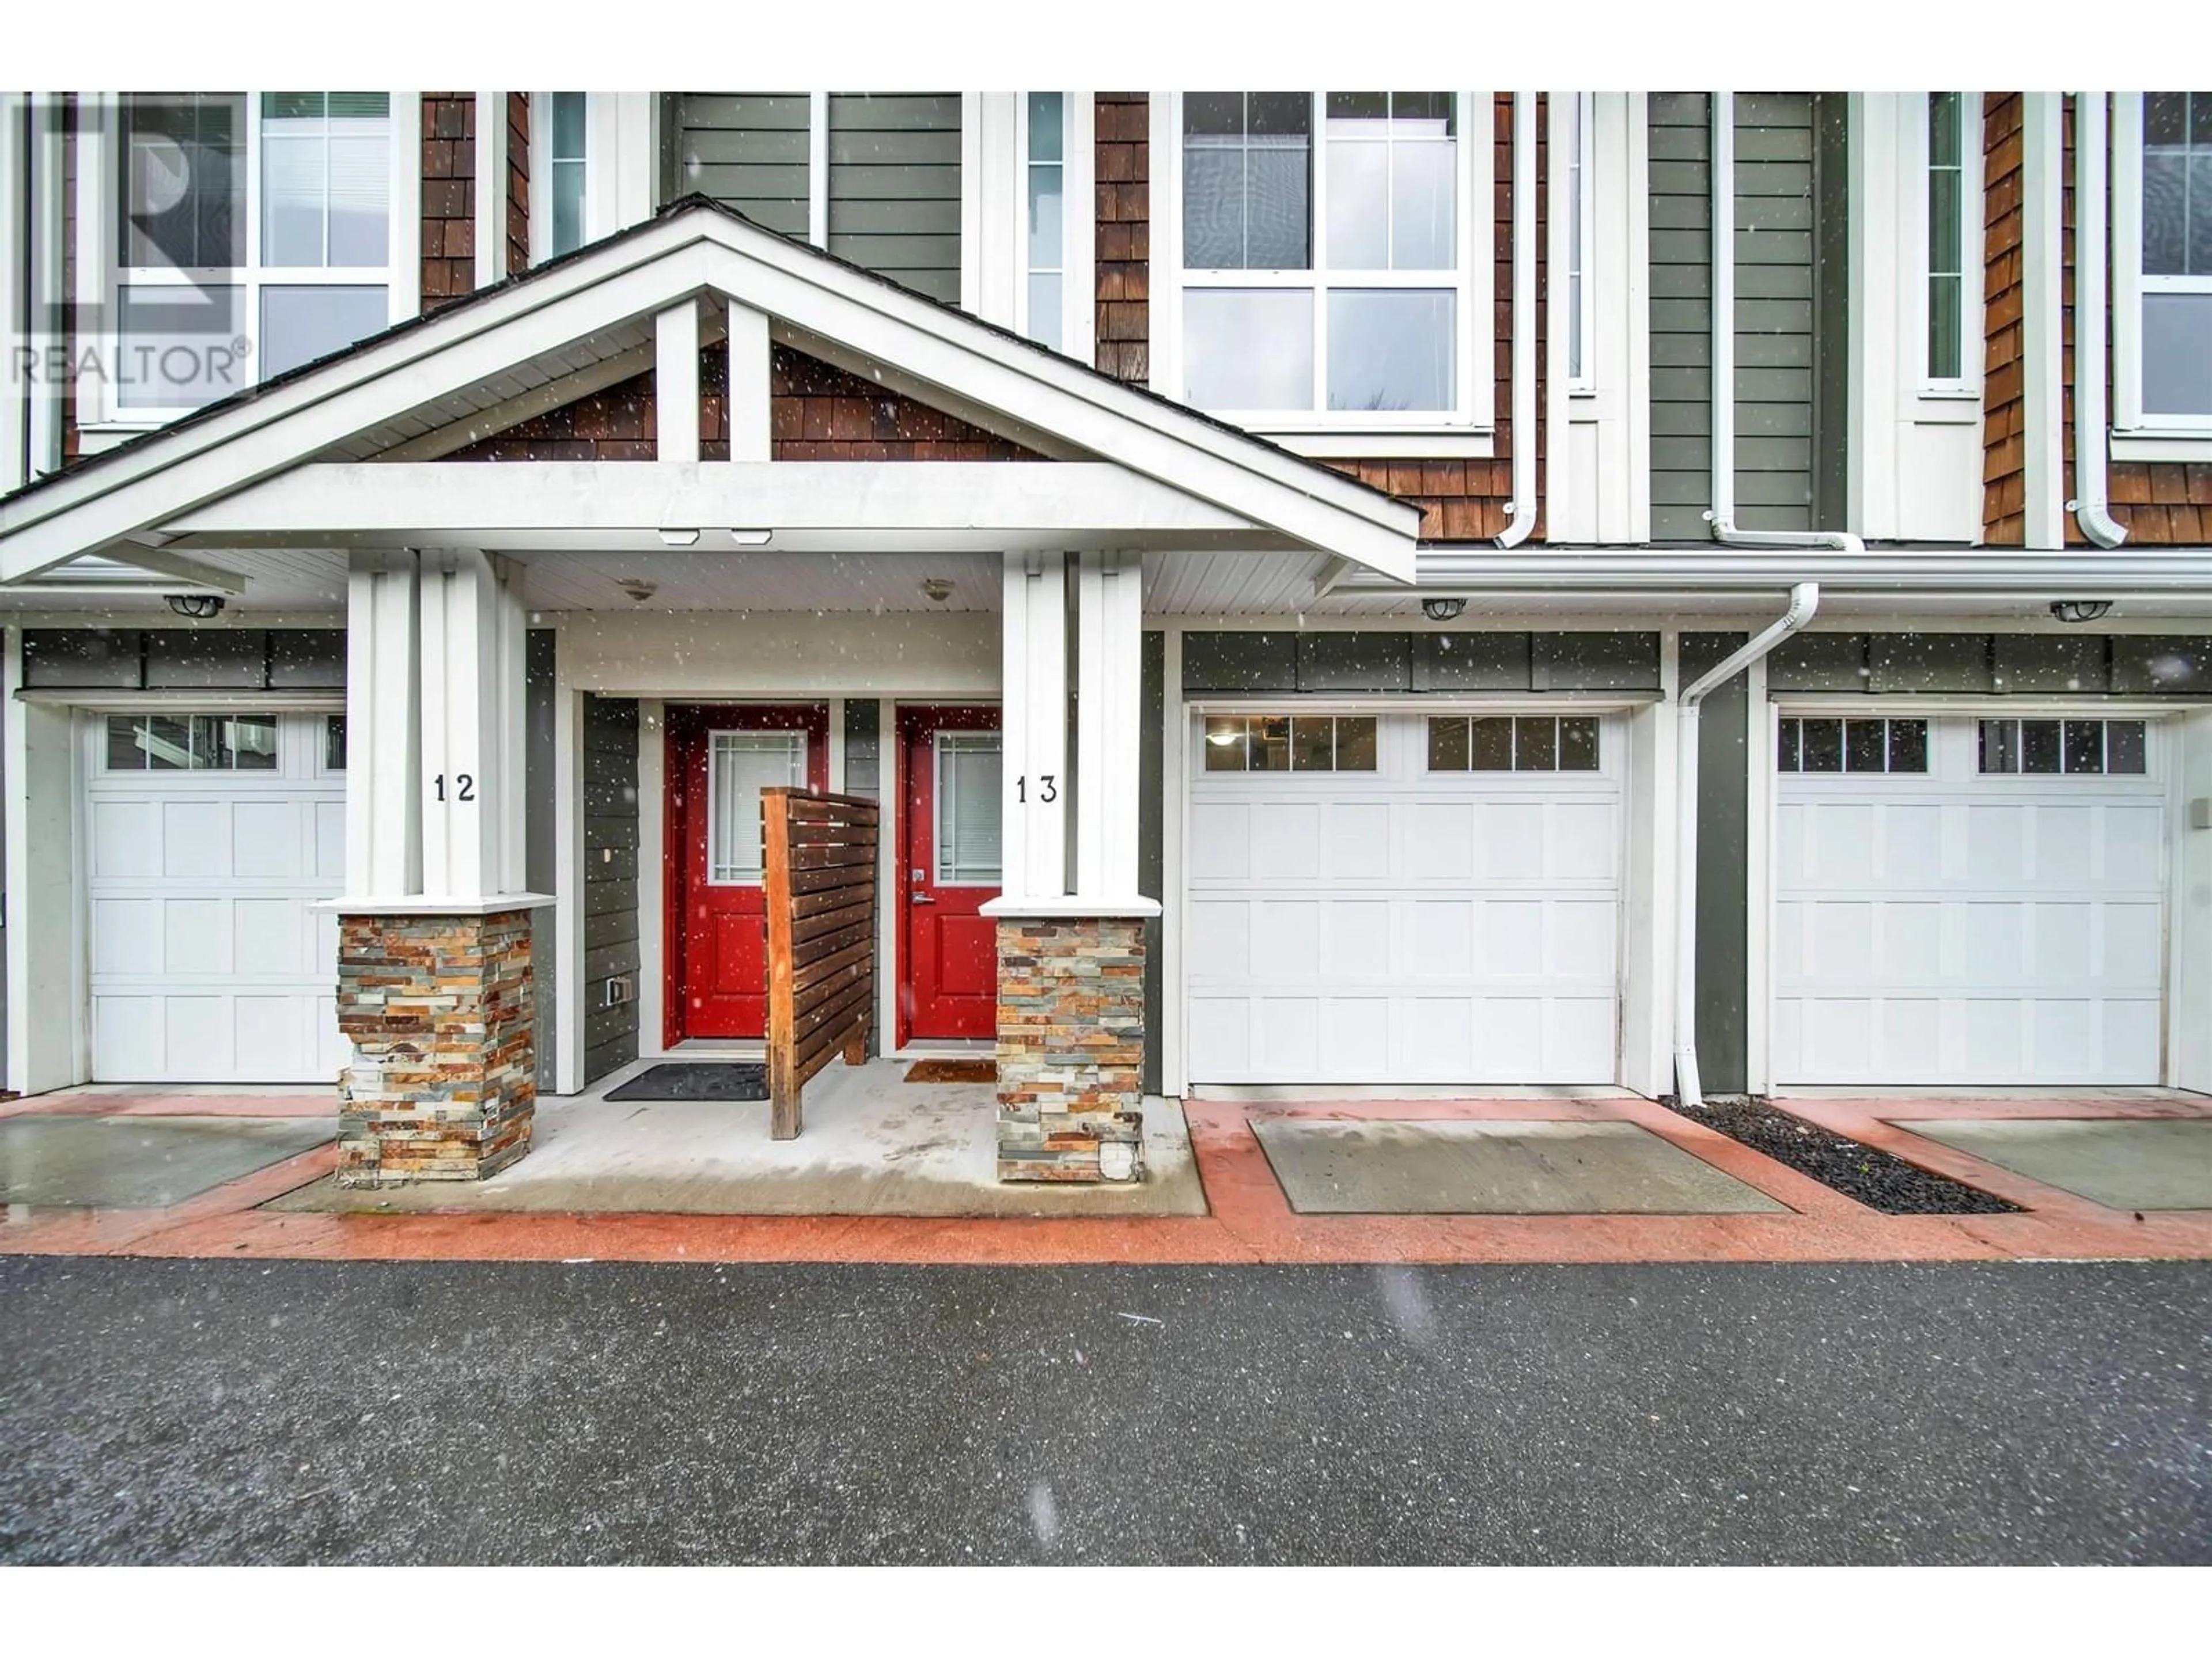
(1804,600)
(2089,504)
(1523,506)
(1722,516)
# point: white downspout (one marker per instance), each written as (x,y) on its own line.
(1804,600)
(1722,516)
(2089,504)
(1523,506)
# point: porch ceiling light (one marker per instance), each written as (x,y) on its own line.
(751,538)
(638,589)
(679,538)
(937,588)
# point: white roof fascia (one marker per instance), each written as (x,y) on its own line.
(640,273)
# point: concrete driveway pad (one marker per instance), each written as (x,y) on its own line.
(1493,1167)
(2122,1163)
(142,1162)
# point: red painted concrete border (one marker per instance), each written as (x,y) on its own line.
(1251,1220)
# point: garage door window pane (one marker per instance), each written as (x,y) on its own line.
(2000,746)
(1492,745)
(334,743)
(1535,745)
(2085,745)
(1865,746)
(1823,749)
(1908,745)
(2039,746)
(245,744)
(1447,744)
(1313,745)
(1355,743)
(1578,745)
(1786,740)
(1269,743)
(1225,743)
(125,752)
(2125,746)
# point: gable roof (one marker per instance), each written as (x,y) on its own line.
(813,299)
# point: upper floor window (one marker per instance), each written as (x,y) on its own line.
(2177,254)
(253,234)
(1325,267)
(1044,195)
(1582,238)
(563,157)
(1949,232)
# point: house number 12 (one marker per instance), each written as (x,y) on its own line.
(465,786)
(1047,791)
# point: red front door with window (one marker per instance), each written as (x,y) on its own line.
(720,758)
(948,951)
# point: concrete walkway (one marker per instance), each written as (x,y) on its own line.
(1248,1218)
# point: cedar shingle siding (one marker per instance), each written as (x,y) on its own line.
(518,182)
(894,185)
(449,207)
(816,413)
(1123,250)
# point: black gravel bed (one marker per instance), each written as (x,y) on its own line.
(1863,1174)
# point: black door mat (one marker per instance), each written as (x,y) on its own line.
(1864,1174)
(743,1080)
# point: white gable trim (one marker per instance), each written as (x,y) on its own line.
(640,274)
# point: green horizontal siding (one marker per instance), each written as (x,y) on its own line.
(1681,139)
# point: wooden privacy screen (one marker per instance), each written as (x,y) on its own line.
(820,853)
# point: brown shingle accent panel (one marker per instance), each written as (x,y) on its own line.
(817,413)
(518,182)
(1120,152)
(449,209)
(2004,459)
(1465,501)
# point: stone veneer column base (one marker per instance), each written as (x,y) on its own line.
(1070,1048)
(442,1083)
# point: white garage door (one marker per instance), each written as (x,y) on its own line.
(1963,901)
(1403,898)
(208,837)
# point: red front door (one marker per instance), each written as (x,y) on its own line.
(719,760)
(948,952)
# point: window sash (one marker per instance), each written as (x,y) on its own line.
(1581,243)
(1052,328)
(252,278)
(1949,291)
(967,847)
(1473,136)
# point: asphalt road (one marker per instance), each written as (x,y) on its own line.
(240,1411)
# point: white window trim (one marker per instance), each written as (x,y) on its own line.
(99,278)
(2135,435)
(1913,145)
(1078,215)
(1324,431)
(714,795)
(1577,170)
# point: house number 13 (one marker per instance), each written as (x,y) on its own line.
(465,786)
(1048,789)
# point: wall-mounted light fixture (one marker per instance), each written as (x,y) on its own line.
(2079,610)
(1443,608)
(198,607)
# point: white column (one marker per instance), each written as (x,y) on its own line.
(750,392)
(491,203)
(469,780)
(676,382)
(47,1045)
(1034,680)
(384,815)
(1109,710)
